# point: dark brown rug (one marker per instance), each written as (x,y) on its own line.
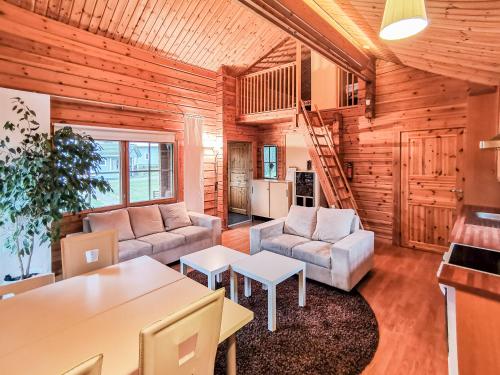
(336,333)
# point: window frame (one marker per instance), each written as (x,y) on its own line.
(174,179)
(343,82)
(264,161)
(124,172)
(120,171)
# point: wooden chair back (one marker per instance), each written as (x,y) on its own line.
(88,252)
(92,366)
(184,342)
(25,285)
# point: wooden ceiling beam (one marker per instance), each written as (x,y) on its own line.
(304,24)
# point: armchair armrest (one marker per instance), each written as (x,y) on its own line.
(213,223)
(265,230)
(352,258)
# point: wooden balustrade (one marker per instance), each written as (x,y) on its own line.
(268,90)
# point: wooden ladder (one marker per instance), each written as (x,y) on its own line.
(326,162)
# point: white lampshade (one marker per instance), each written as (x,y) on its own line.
(402,19)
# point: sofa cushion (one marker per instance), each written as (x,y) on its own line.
(301,221)
(164,241)
(314,252)
(145,220)
(282,244)
(333,224)
(193,233)
(175,215)
(116,219)
(132,249)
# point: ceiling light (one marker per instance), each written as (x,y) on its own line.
(402,19)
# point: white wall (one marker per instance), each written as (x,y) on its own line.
(41,261)
(323,82)
(296,151)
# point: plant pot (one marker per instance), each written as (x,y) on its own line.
(9,279)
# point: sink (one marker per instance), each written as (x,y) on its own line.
(488,216)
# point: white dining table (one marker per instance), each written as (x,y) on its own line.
(50,336)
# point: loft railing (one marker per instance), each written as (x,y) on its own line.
(267,90)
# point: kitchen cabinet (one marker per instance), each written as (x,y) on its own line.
(271,199)
(469,277)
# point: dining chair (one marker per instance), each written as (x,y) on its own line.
(184,342)
(91,366)
(88,252)
(25,285)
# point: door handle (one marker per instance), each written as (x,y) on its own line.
(455,190)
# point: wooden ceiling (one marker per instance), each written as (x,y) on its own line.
(462,40)
(207,33)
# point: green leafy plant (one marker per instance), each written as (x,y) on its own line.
(41,178)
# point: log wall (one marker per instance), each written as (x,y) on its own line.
(97,81)
(405,99)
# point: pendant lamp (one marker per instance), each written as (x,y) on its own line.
(402,19)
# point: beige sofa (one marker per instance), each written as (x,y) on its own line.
(336,251)
(163,232)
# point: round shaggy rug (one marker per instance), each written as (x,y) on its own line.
(335,333)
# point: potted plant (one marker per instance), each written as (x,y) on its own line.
(42,177)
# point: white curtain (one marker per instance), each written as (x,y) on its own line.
(193,163)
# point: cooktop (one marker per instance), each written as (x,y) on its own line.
(475,258)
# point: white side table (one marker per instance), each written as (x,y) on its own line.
(270,269)
(211,262)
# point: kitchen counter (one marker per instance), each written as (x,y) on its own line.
(470,230)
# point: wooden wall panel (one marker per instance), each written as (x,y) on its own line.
(207,33)
(229,131)
(104,84)
(405,99)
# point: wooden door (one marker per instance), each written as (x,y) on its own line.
(239,172)
(431,186)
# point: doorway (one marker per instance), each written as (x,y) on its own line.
(431,186)
(239,175)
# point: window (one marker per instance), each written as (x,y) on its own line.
(151,171)
(270,161)
(348,89)
(110,170)
(138,165)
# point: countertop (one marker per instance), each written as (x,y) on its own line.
(470,230)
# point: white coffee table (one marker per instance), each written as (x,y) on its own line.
(270,269)
(212,262)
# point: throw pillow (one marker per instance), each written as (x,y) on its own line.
(146,220)
(116,219)
(300,221)
(175,215)
(333,224)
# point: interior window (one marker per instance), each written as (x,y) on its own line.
(270,161)
(151,174)
(348,89)
(110,171)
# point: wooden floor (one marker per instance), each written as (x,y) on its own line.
(403,292)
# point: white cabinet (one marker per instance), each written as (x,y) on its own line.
(271,199)
(279,199)
(260,198)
